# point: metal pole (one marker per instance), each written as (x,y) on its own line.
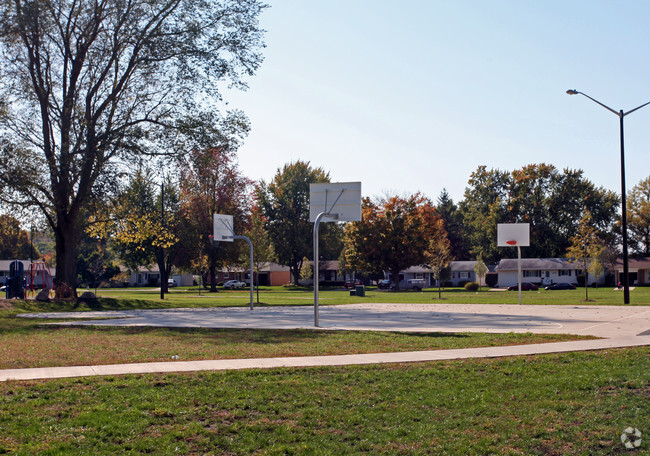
(626,280)
(620,114)
(250,244)
(163,279)
(519,271)
(316,271)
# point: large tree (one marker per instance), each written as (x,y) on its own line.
(143,223)
(552,201)
(394,234)
(451,216)
(638,217)
(284,202)
(211,183)
(87,85)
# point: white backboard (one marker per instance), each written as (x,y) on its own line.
(223,228)
(513,234)
(341,199)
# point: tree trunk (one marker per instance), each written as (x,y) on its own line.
(66,236)
(164,274)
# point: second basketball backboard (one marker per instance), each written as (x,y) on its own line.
(342,200)
(513,234)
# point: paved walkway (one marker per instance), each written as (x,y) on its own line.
(619,326)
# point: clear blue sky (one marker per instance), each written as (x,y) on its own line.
(414,95)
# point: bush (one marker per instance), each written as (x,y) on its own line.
(491,279)
(462,283)
(471,286)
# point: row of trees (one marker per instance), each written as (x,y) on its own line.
(169,222)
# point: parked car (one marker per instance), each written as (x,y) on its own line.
(561,286)
(171,283)
(232,284)
(384,284)
(525,286)
(411,284)
(351,284)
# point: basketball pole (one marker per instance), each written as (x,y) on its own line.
(316,268)
(519,270)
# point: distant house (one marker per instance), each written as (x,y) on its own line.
(149,276)
(541,271)
(461,272)
(638,270)
(270,274)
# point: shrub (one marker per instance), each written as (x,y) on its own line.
(462,283)
(471,286)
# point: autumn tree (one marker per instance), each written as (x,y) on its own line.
(263,251)
(480,269)
(551,201)
(394,234)
(586,250)
(14,241)
(638,217)
(211,183)
(86,86)
(143,225)
(284,202)
(439,256)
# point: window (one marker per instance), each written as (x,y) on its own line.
(419,275)
(463,275)
(564,272)
(535,273)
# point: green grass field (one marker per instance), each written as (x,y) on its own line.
(189,297)
(567,404)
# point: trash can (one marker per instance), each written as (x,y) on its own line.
(353,293)
(360,290)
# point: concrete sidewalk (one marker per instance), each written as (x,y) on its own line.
(311,361)
(619,326)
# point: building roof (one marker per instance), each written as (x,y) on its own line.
(462,266)
(511,264)
(634,263)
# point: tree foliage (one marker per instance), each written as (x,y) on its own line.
(638,217)
(451,217)
(14,241)
(85,86)
(552,201)
(586,250)
(394,234)
(211,183)
(284,203)
(143,225)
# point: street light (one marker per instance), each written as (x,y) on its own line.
(621,114)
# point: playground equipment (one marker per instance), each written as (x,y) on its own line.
(38,276)
(16,281)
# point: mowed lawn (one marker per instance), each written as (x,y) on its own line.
(190,297)
(565,404)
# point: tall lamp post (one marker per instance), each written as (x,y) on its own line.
(621,114)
